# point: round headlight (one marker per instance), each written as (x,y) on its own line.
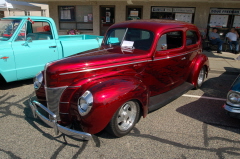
(234,97)
(85,103)
(38,81)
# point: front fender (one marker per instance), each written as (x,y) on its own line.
(200,61)
(108,95)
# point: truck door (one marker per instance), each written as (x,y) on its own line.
(169,63)
(33,48)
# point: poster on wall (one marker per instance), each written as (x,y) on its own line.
(218,21)
(236,22)
(183,17)
(133,13)
(108,14)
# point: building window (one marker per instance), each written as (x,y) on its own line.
(27,13)
(75,17)
(224,19)
(173,13)
(43,13)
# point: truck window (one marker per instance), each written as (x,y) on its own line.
(192,37)
(171,39)
(36,31)
(7,28)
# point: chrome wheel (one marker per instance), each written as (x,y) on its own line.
(126,115)
(124,119)
(201,77)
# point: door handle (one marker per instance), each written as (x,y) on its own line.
(184,58)
(52,46)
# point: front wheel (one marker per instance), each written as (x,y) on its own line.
(124,119)
(201,77)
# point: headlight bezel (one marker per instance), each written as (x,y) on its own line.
(231,95)
(37,81)
(85,103)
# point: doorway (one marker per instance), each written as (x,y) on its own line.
(107,18)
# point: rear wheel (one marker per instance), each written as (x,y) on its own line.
(124,119)
(201,77)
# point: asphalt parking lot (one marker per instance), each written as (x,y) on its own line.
(193,126)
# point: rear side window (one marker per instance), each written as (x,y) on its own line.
(171,40)
(192,37)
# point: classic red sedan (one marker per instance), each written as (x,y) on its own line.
(140,66)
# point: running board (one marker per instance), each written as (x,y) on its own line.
(160,100)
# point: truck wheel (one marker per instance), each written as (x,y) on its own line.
(201,77)
(124,119)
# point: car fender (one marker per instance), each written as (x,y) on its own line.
(200,61)
(108,95)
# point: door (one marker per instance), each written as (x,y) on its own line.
(167,69)
(35,49)
(107,14)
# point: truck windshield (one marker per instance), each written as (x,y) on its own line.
(130,37)
(7,28)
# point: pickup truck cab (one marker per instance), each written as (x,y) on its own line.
(28,43)
(141,66)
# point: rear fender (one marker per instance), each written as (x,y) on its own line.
(108,95)
(200,61)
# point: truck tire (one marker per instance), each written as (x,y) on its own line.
(201,77)
(124,119)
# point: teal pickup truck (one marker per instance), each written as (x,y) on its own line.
(27,43)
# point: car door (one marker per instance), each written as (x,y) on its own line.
(169,63)
(34,48)
(193,47)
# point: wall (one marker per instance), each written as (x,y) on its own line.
(200,20)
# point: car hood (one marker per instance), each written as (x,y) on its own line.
(97,59)
(236,84)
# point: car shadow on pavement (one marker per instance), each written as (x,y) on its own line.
(211,112)
(15,84)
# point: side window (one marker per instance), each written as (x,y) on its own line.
(35,31)
(170,40)
(192,37)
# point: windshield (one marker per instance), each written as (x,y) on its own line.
(7,28)
(130,37)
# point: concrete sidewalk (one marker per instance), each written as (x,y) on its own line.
(225,62)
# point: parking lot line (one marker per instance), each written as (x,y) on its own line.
(195,96)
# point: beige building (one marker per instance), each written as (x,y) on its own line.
(95,16)
(44,11)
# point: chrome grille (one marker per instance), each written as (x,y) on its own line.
(53,96)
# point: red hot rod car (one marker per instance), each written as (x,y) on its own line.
(140,66)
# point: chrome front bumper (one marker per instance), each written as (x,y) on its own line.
(53,123)
(231,109)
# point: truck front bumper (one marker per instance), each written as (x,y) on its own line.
(53,123)
(232,111)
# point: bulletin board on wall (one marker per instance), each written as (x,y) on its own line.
(185,17)
(219,21)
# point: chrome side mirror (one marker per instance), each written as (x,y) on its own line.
(163,46)
(29,39)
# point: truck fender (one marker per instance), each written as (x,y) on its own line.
(108,95)
(200,61)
